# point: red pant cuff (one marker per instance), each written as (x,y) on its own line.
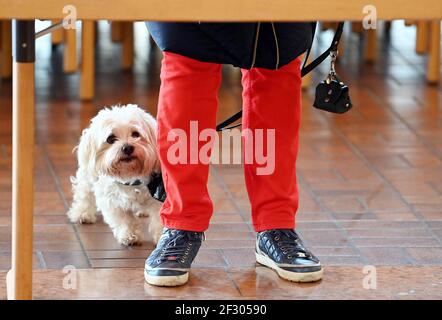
(182,225)
(287,224)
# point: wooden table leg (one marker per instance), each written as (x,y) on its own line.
(433,67)
(87,80)
(127,45)
(116,32)
(371,45)
(422,37)
(56,35)
(6,49)
(20,275)
(70,50)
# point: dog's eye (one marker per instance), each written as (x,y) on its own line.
(135,134)
(111,139)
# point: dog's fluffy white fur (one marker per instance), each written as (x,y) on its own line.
(104,168)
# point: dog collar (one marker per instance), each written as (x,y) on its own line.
(139,182)
(155,186)
(134,183)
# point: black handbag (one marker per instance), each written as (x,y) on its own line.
(332,94)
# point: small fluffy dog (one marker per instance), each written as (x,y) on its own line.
(116,158)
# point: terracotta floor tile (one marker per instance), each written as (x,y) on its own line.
(321,238)
(426,255)
(229,235)
(341,283)
(117,263)
(314,216)
(127,283)
(228,227)
(396,216)
(243,257)
(396,242)
(127,253)
(343,203)
(61,259)
(226,217)
(386,233)
(99,241)
(306,225)
(228,244)
(209,258)
(342,260)
(385,256)
(334,251)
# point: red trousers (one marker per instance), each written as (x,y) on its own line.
(271,100)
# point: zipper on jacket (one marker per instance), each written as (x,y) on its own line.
(277,46)
(255,48)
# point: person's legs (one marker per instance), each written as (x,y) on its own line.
(188,93)
(187,105)
(272,100)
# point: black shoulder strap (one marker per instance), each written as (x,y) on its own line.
(305,70)
(333,47)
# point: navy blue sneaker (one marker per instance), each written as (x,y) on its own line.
(169,264)
(283,251)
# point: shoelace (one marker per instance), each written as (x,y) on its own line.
(284,240)
(173,251)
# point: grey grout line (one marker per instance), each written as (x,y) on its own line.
(41,259)
(63,198)
(434,187)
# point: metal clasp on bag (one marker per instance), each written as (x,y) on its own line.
(332,73)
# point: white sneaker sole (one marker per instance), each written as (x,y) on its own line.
(289,275)
(167,281)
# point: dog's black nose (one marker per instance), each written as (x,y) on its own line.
(128,149)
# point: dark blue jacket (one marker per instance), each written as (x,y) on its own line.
(264,45)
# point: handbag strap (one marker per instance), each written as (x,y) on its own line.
(333,48)
(304,71)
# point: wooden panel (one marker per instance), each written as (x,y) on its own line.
(225,10)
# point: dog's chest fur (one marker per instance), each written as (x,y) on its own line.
(109,193)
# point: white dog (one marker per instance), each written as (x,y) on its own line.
(116,158)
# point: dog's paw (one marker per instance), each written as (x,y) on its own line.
(81,217)
(142,214)
(128,238)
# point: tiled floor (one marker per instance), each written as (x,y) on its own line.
(370,184)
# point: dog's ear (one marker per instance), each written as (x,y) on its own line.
(150,134)
(149,126)
(86,151)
